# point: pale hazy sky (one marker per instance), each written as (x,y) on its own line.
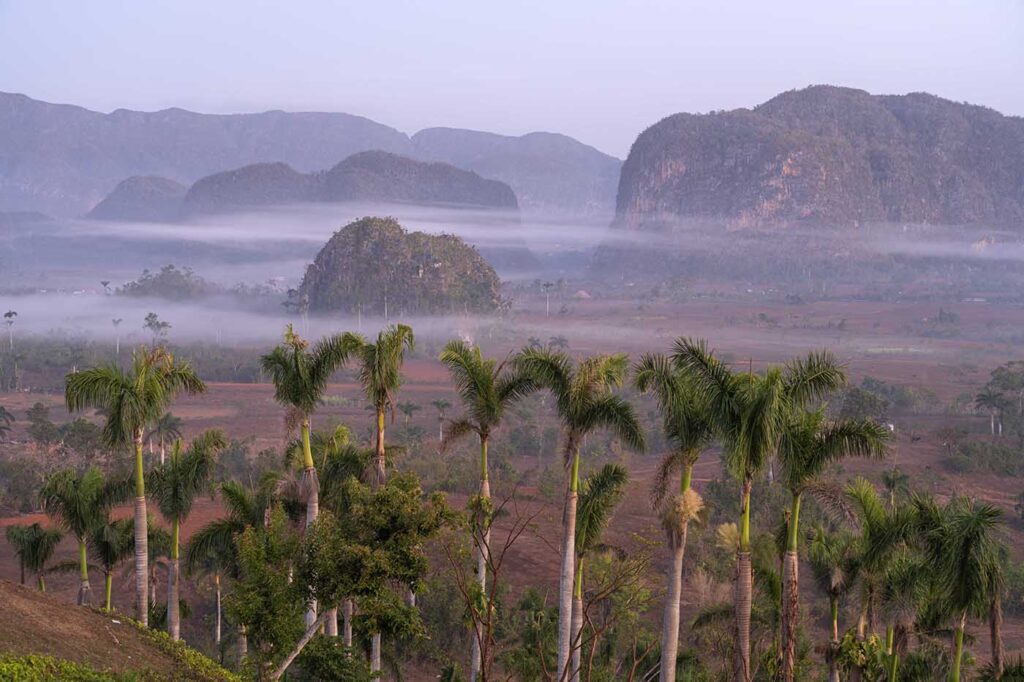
(599,71)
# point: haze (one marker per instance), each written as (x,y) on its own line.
(598,71)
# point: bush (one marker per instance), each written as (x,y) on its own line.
(45,669)
(325,660)
(993,458)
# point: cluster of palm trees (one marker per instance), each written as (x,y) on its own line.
(917,565)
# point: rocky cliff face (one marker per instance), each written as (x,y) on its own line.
(549,173)
(827,155)
(146,198)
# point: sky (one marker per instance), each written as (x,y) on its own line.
(598,71)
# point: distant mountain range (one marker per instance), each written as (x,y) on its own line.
(64,160)
(828,155)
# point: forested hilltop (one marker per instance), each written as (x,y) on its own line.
(374,262)
(829,155)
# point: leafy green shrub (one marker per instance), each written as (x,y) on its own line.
(325,660)
(35,668)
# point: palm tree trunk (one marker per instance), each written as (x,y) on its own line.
(21,563)
(744,590)
(312,486)
(375,652)
(331,623)
(347,608)
(42,583)
(791,594)
(833,652)
(216,631)
(958,649)
(84,596)
(380,461)
(173,610)
(890,649)
(482,558)
(242,644)
(995,624)
(108,584)
(565,582)
(577,622)
(141,538)
(674,576)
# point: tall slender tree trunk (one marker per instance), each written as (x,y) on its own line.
(216,631)
(958,649)
(108,585)
(141,538)
(42,583)
(173,589)
(331,622)
(482,558)
(347,608)
(565,582)
(674,578)
(791,594)
(744,590)
(380,480)
(312,486)
(84,592)
(833,651)
(577,622)
(995,624)
(890,650)
(242,645)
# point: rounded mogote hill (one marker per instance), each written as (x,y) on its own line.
(374,262)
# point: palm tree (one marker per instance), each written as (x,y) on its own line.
(80,503)
(300,376)
(109,545)
(487,389)
(213,545)
(833,561)
(808,445)
(166,429)
(749,412)
(441,405)
(600,493)
(380,373)
(131,400)
(960,543)
(896,483)
(584,403)
(34,546)
(687,429)
(174,486)
(994,403)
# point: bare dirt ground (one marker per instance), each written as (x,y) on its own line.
(883,340)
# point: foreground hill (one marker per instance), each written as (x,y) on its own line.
(549,172)
(62,159)
(32,623)
(828,155)
(374,265)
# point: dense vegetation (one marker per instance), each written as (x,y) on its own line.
(374,265)
(324,551)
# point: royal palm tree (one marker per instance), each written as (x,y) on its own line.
(994,403)
(380,373)
(132,400)
(109,545)
(214,544)
(80,503)
(584,402)
(896,483)
(833,560)
(487,389)
(688,430)
(600,493)
(749,412)
(174,486)
(807,446)
(300,375)
(166,429)
(34,546)
(441,405)
(960,544)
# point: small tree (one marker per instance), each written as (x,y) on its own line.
(34,546)
(157,327)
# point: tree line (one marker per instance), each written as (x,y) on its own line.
(334,543)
